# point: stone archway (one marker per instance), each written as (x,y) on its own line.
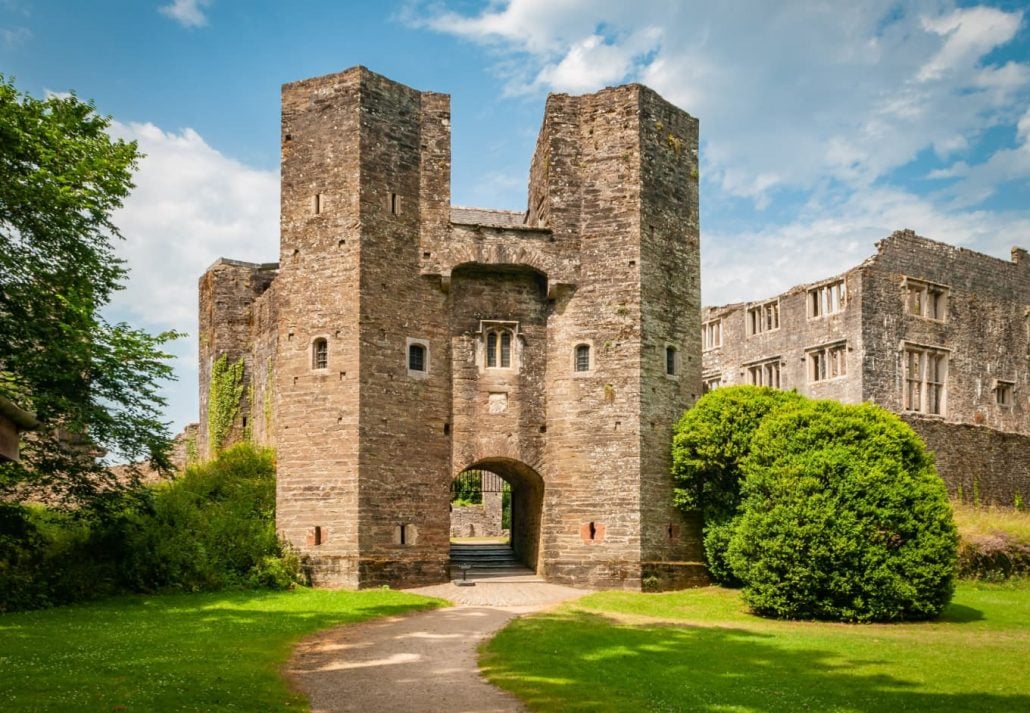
(527,499)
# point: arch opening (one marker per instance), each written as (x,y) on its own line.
(508,495)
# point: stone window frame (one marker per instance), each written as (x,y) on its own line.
(820,360)
(711,334)
(933,299)
(1004,393)
(930,386)
(711,382)
(319,362)
(589,345)
(674,359)
(827,298)
(761,314)
(759,372)
(499,327)
(410,342)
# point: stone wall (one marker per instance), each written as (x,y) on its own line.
(986,332)
(978,464)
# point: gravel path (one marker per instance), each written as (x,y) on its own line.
(420,663)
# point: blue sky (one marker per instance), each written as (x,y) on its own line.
(825,126)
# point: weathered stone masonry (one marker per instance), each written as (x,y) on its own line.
(401,340)
(937,333)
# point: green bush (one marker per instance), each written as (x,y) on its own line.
(210,529)
(709,444)
(843,517)
(49,558)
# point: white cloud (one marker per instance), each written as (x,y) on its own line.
(825,241)
(971,33)
(191,205)
(188,13)
(790,95)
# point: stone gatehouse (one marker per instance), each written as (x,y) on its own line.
(400,340)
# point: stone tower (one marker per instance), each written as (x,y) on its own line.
(403,341)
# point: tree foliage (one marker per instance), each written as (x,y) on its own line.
(709,444)
(843,517)
(93,385)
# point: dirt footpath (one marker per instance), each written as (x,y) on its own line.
(420,663)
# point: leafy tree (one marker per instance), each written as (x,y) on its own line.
(92,384)
(844,517)
(709,444)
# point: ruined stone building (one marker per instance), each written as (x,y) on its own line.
(401,341)
(936,333)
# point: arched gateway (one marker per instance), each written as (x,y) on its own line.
(401,340)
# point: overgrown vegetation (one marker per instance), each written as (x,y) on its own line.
(994,542)
(699,650)
(200,652)
(223,400)
(820,509)
(212,528)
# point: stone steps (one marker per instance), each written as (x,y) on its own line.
(480,560)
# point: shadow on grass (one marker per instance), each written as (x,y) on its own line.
(584,662)
(961,614)
(206,652)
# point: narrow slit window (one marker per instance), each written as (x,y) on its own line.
(316,203)
(583,357)
(320,354)
(395,204)
(670,361)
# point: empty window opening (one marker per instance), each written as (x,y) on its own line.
(926,300)
(416,357)
(318,535)
(766,373)
(711,334)
(829,362)
(317,203)
(711,383)
(498,348)
(670,361)
(583,357)
(827,299)
(320,354)
(1003,392)
(395,204)
(447,429)
(926,375)
(244,423)
(763,318)
(404,534)
(593,531)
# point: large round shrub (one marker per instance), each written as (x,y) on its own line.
(844,517)
(709,443)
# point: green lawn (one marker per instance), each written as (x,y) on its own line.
(188,652)
(698,650)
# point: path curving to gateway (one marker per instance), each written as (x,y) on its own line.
(423,663)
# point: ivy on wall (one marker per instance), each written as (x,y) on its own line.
(223,400)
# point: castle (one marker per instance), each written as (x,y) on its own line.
(401,341)
(936,333)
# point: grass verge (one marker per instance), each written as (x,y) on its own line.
(699,650)
(185,652)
